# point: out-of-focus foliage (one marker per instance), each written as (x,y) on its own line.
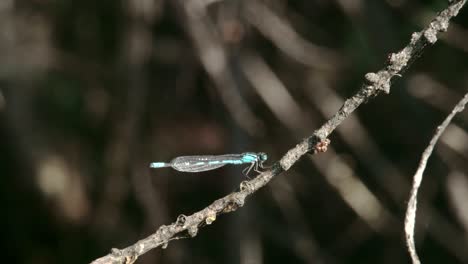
(92,91)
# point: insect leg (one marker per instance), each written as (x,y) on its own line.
(248,169)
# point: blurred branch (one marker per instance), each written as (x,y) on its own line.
(410,217)
(283,35)
(273,92)
(215,60)
(457,189)
(303,242)
(375,83)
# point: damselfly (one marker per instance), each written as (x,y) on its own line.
(211,162)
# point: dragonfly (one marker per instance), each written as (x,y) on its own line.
(210,162)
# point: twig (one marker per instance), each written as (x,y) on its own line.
(375,83)
(410,217)
(353,133)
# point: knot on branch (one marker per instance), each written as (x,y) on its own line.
(379,81)
(318,144)
(192,231)
(440,24)
(234,204)
(245,186)
(163,233)
(211,217)
(116,252)
(397,61)
(129,257)
(181,219)
(322,146)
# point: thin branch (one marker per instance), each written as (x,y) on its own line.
(410,217)
(375,83)
(354,134)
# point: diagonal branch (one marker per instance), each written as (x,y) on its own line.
(375,83)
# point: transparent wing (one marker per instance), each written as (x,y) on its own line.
(197,168)
(201,163)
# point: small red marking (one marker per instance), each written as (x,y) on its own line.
(322,145)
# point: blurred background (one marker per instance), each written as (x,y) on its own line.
(91,92)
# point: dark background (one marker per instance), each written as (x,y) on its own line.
(92,91)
